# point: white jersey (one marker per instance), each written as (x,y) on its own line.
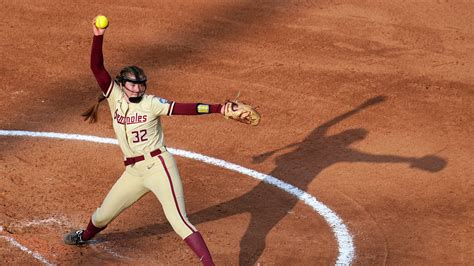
(137,125)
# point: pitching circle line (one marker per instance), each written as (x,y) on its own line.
(343,237)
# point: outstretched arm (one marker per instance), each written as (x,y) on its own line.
(97,60)
(196,109)
(235,110)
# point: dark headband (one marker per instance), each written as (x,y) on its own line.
(136,72)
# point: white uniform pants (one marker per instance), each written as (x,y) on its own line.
(158,174)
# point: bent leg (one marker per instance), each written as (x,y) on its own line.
(126,191)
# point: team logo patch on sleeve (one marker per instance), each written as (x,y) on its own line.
(161,100)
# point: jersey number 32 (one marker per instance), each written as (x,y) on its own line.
(139,136)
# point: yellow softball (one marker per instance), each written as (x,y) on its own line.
(101,22)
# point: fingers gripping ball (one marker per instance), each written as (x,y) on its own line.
(241,112)
(101,22)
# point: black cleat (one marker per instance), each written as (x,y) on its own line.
(74,238)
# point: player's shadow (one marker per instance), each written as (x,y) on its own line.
(267,205)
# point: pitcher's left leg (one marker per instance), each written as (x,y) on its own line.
(165,183)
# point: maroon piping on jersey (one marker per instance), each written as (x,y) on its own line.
(109,90)
(170,110)
(174,195)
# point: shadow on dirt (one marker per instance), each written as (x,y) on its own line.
(268,205)
(215,28)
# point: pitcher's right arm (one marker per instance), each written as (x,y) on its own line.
(97,61)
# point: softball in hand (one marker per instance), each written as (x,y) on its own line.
(101,22)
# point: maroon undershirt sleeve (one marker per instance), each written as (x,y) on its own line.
(191,108)
(97,64)
(103,79)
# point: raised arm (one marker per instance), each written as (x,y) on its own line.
(101,75)
(97,60)
(235,110)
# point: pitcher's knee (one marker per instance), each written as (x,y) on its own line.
(101,218)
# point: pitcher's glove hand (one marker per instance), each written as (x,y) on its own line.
(241,112)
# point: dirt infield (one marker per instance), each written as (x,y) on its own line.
(366,106)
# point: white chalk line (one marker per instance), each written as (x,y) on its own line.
(343,237)
(113,253)
(63,221)
(35,254)
(48,221)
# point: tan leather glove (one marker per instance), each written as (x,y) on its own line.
(241,112)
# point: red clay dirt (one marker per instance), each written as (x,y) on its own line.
(366,105)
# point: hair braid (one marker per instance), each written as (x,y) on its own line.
(91,113)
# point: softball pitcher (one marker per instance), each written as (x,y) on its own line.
(149,166)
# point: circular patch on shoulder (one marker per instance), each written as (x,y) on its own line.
(162,100)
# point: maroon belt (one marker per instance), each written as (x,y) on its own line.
(132,160)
